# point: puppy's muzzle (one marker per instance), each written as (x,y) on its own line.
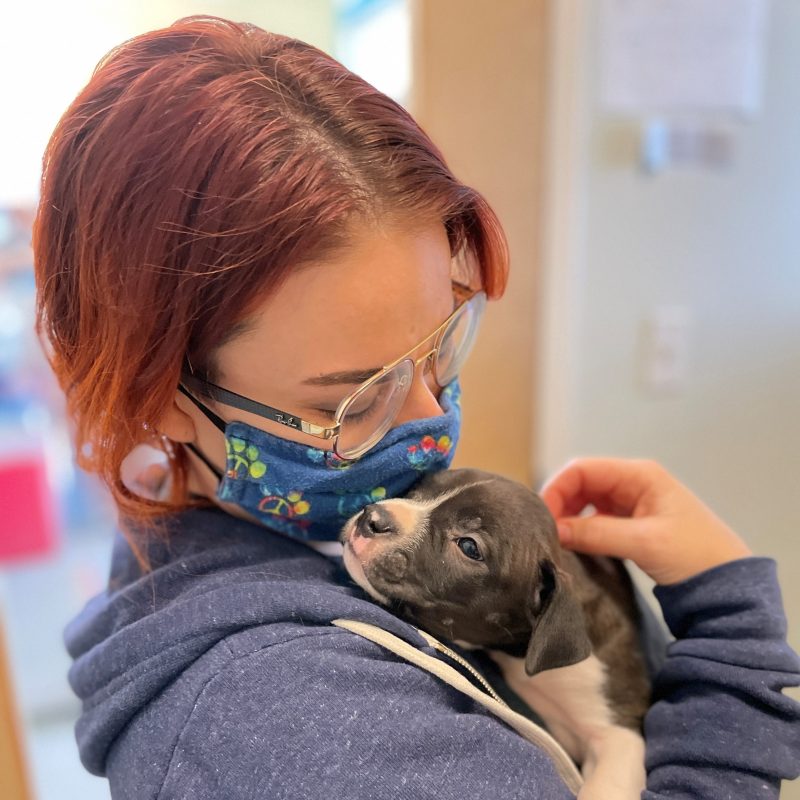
(376,521)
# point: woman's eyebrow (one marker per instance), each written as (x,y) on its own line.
(350,377)
(355,376)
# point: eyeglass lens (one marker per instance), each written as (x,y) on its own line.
(457,340)
(371,412)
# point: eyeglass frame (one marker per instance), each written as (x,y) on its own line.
(242,403)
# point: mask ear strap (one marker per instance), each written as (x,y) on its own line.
(202,457)
(216,420)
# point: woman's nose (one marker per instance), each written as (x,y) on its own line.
(423,397)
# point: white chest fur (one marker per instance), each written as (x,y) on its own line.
(573,704)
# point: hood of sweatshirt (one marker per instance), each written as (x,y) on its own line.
(212,575)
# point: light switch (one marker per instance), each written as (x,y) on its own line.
(665,349)
(668,144)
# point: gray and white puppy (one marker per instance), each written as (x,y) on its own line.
(473,557)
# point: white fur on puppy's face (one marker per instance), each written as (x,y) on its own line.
(353,562)
(353,566)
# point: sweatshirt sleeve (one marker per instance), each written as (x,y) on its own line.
(330,714)
(720,725)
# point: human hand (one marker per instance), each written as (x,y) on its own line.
(643,513)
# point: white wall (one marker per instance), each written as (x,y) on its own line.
(724,244)
(50,49)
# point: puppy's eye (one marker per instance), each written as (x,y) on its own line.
(469,548)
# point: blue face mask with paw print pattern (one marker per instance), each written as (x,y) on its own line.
(302,492)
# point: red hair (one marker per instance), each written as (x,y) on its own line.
(202,163)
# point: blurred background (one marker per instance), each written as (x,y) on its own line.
(642,156)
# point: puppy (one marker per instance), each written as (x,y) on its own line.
(472,557)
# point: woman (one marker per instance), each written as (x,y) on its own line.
(251,259)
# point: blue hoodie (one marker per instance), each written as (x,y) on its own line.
(219,675)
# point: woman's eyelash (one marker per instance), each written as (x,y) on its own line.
(352,413)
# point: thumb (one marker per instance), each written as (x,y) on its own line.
(600,534)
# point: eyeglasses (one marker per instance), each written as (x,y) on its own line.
(366,414)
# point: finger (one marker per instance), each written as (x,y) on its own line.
(579,504)
(602,535)
(612,482)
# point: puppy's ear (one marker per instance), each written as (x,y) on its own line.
(559,636)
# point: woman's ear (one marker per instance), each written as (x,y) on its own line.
(145,471)
(176,424)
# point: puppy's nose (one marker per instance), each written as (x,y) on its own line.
(375,520)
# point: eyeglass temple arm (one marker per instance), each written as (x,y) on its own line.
(217,420)
(246,404)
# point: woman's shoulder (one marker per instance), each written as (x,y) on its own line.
(212,576)
(316,712)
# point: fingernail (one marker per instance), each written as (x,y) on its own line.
(564,532)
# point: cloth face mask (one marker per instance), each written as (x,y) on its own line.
(303,492)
